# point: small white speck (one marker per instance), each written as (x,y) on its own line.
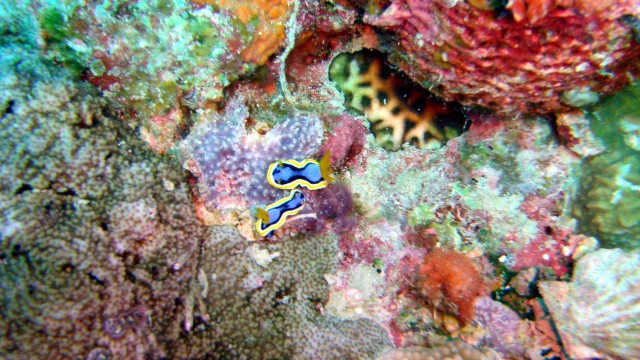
(546,257)
(176,267)
(502,258)
(168,185)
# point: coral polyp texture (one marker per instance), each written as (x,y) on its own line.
(142,139)
(451,350)
(231,162)
(609,205)
(398,110)
(598,312)
(462,53)
(608,202)
(96,253)
(162,64)
(263,301)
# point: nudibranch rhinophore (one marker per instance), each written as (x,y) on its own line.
(399,110)
(309,173)
(273,216)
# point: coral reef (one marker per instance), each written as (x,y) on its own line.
(502,327)
(263,301)
(399,111)
(96,253)
(231,163)
(110,250)
(161,65)
(451,350)
(451,282)
(609,205)
(598,312)
(267,18)
(567,58)
(609,196)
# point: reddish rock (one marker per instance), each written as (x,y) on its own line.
(569,56)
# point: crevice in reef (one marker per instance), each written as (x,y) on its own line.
(399,110)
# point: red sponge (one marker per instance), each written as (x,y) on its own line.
(450,282)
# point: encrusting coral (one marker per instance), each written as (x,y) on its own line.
(608,202)
(598,313)
(96,252)
(262,301)
(565,59)
(451,350)
(161,59)
(231,163)
(266,17)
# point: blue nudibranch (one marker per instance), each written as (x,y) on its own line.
(273,216)
(309,173)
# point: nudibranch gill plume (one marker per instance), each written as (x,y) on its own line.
(399,110)
(273,216)
(309,173)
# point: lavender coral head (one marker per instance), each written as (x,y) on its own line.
(230,162)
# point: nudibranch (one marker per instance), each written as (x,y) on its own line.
(273,216)
(309,173)
(399,110)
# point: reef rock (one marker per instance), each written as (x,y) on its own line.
(598,312)
(567,57)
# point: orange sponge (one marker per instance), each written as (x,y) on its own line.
(451,282)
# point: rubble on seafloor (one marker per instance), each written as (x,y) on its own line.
(482,153)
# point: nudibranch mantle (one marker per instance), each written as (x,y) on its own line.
(309,173)
(273,216)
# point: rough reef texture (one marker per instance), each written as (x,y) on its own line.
(495,194)
(451,350)
(450,282)
(264,301)
(267,18)
(161,59)
(502,326)
(608,205)
(598,312)
(462,53)
(101,252)
(95,252)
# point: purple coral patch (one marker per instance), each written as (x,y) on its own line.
(231,163)
(99,354)
(115,327)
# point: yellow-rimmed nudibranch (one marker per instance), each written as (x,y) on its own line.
(273,216)
(309,173)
